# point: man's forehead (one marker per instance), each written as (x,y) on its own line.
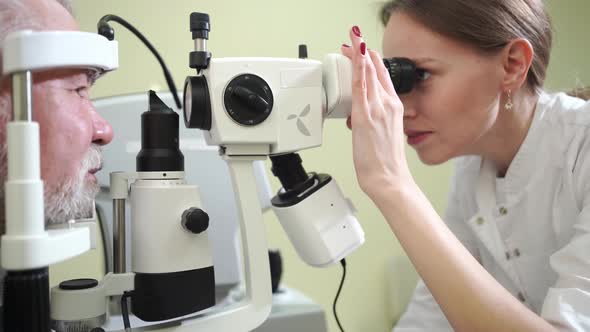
(54,15)
(80,76)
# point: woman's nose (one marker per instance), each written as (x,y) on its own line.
(409,108)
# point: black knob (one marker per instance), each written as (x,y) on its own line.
(195,220)
(248,99)
(78,284)
(200,25)
(302,51)
(251,99)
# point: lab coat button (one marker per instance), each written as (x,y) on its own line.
(507,255)
(517,252)
(521,297)
(479,220)
(503,211)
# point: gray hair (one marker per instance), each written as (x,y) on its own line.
(14,15)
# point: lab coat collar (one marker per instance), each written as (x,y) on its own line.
(520,170)
(483,223)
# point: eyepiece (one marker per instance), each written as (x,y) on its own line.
(200,25)
(403,73)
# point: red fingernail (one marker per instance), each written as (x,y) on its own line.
(356,31)
(363,48)
(345,45)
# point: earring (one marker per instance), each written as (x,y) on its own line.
(508,106)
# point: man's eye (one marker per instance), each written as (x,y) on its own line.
(83,92)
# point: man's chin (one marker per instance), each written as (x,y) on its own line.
(91,178)
(72,204)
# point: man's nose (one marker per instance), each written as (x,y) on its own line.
(103,132)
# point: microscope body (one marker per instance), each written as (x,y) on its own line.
(171,256)
(289,119)
(158,246)
(275,107)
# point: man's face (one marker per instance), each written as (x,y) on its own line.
(71,133)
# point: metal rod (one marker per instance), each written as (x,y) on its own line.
(201,45)
(119,264)
(22,92)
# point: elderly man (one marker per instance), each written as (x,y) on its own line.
(71,131)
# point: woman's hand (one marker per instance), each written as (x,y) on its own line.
(376,122)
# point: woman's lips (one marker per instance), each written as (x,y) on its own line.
(417,137)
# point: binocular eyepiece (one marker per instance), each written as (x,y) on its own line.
(403,73)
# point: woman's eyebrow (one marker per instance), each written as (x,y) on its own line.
(422,61)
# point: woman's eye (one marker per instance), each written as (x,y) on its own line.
(422,75)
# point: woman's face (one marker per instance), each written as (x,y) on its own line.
(455,103)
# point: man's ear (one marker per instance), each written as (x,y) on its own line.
(516,59)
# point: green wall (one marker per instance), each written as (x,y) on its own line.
(274,29)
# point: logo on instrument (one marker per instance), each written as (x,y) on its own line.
(300,125)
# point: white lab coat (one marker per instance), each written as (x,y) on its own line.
(530,229)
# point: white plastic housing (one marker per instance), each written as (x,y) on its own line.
(255,307)
(296,120)
(322,227)
(73,305)
(39,50)
(26,244)
(159,242)
(337,79)
(24,188)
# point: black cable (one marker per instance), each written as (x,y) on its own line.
(101,219)
(105,30)
(125,311)
(343,263)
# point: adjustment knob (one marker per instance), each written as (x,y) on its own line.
(251,99)
(195,220)
(248,99)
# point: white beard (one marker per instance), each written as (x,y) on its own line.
(74,198)
(71,199)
